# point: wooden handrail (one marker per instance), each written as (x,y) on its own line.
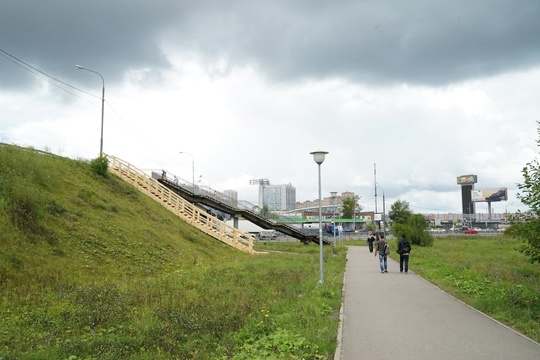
(194,216)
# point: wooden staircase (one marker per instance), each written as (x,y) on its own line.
(184,209)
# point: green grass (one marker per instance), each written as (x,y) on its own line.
(92,269)
(487,273)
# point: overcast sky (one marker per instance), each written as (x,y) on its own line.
(427,90)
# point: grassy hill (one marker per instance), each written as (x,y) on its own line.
(68,222)
(90,268)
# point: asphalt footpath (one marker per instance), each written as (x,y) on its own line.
(398,316)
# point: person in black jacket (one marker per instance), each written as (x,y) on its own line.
(404,250)
(370,241)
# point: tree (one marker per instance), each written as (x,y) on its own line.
(415,229)
(413,226)
(399,212)
(350,203)
(529,231)
(371,227)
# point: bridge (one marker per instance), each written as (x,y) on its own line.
(236,209)
(191,203)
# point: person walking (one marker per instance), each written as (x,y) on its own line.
(380,249)
(404,251)
(370,241)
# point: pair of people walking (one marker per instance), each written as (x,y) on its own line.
(404,251)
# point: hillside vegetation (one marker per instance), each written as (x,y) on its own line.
(92,269)
(488,273)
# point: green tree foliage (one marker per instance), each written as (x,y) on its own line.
(415,229)
(413,226)
(400,212)
(529,231)
(371,227)
(349,204)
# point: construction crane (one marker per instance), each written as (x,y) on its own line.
(262,183)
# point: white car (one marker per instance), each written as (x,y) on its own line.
(268,234)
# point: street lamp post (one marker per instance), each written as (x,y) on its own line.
(79,67)
(192,169)
(318,156)
(384,208)
(356,207)
(334,195)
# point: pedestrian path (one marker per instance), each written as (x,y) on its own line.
(397,316)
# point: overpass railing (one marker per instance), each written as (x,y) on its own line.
(205,222)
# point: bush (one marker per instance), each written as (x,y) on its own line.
(100,166)
(416,235)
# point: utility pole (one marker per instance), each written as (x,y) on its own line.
(375,182)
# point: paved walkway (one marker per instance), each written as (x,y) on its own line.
(397,316)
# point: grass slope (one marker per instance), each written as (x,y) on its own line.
(92,269)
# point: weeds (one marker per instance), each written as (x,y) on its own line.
(120,277)
(489,274)
(91,269)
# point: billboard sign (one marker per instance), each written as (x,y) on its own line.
(489,195)
(467,179)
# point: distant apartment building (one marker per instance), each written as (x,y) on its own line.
(232,194)
(279,197)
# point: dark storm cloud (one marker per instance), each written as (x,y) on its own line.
(109,36)
(427,42)
(375,41)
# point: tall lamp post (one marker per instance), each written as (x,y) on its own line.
(192,169)
(318,156)
(334,195)
(79,67)
(384,207)
(356,207)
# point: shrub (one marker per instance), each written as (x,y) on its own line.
(100,166)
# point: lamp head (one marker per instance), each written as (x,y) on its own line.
(333,194)
(318,156)
(79,67)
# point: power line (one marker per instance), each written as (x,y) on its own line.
(46,77)
(31,69)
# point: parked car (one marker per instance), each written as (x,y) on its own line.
(471,231)
(268,234)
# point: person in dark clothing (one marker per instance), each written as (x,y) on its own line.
(380,249)
(404,251)
(370,241)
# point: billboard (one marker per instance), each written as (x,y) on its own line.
(467,179)
(489,195)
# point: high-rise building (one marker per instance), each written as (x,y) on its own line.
(279,197)
(233,194)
